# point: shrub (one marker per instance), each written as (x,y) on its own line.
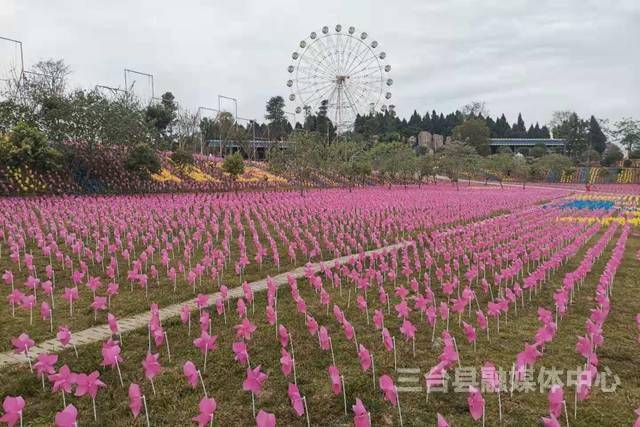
(143,160)
(26,145)
(182,157)
(233,165)
(627,163)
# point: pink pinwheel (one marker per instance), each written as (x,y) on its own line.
(334,376)
(584,346)
(338,314)
(241,308)
(202,301)
(637,411)
(99,303)
(113,323)
(240,352)
(12,407)
(469,332)
(62,380)
(111,353)
(360,415)
(436,376)
(389,389)
(270,315)
(284,336)
(378,318)
(490,377)
(45,311)
(528,356)
(312,325)
(67,417)
(207,407)
(185,313)
(70,295)
(22,343)
(585,379)
(349,332)
(135,399)
(546,333)
(191,373)
(551,421)
(45,364)
(205,342)
(365,357)
(64,335)
(151,365)
(245,329)
(402,309)
(296,400)
(323,336)
(7,276)
(253,381)
(387,340)
(265,419)
(556,400)
(476,403)
(88,384)
(286,362)
(408,330)
(441,421)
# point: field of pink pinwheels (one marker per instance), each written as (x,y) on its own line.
(377,306)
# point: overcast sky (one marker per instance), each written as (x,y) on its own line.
(533,57)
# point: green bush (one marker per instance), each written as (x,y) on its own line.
(182,157)
(26,145)
(233,165)
(143,160)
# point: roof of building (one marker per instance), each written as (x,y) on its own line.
(527,141)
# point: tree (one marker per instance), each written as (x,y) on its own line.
(555,163)
(182,157)
(275,117)
(303,156)
(627,133)
(426,167)
(475,133)
(143,160)
(234,166)
(475,109)
(457,158)
(161,116)
(521,170)
(347,158)
(573,129)
(26,145)
(225,123)
(393,160)
(612,155)
(595,136)
(538,150)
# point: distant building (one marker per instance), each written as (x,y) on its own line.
(515,143)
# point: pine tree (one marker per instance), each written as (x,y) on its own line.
(595,137)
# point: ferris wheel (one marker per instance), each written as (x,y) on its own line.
(342,71)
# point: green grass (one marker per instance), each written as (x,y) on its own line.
(176,402)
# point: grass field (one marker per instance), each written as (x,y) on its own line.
(517,229)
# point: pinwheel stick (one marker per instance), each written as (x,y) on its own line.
(344,394)
(395,355)
(202,382)
(306,410)
(333,357)
(26,352)
(566,414)
(398,399)
(119,373)
(95,415)
(373,371)
(146,410)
